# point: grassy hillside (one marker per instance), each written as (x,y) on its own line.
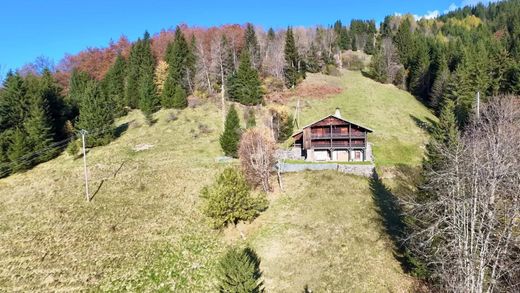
(144,230)
(393,114)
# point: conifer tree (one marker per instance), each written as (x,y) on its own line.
(179,100)
(114,85)
(378,66)
(133,76)
(148,100)
(445,135)
(39,128)
(96,116)
(77,84)
(440,83)
(313,63)
(230,138)
(13,106)
(239,271)
(18,151)
(293,71)
(369,46)
(57,108)
(244,85)
(251,45)
(178,58)
(404,42)
(354,43)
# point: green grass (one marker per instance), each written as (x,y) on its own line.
(325,232)
(144,231)
(393,114)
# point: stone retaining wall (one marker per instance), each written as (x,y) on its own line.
(361,170)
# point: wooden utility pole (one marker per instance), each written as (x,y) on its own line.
(478,105)
(296,118)
(83,133)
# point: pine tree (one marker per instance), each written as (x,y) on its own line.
(239,271)
(313,59)
(369,46)
(133,76)
(18,151)
(444,136)
(148,100)
(440,83)
(57,108)
(178,58)
(244,85)
(179,100)
(39,128)
(13,106)
(96,116)
(378,66)
(251,45)
(292,71)
(114,85)
(354,43)
(419,78)
(231,136)
(404,42)
(77,84)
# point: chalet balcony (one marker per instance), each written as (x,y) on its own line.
(337,136)
(337,145)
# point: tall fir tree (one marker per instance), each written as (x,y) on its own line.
(244,85)
(133,75)
(96,115)
(148,100)
(252,46)
(369,46)
(13,105)
(39,125)
(445,135)
(57,108)
(77,84)
(230,138)
(177,56)
(378,66)
(313,62)
(114,85)
(19,149)
(404,42)
(294,70)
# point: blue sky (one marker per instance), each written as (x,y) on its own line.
(31,28)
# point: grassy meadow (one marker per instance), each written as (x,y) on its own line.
(143,230)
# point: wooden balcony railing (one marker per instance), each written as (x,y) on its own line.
(337,135)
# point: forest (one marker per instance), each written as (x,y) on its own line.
(445,62)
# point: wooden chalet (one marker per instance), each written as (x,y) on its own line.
(333,138)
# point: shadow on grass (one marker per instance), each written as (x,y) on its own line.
(391,215)
(428,125)
(121,129)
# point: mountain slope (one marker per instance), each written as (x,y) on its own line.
(144,229)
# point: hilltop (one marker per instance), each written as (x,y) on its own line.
(144,228)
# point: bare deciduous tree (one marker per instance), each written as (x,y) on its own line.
(467,229)
(256,153)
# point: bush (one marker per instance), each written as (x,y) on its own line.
(73,148)
(229,200)
(239,271)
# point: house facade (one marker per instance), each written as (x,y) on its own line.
(333,138)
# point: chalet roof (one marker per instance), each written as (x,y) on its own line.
(334,116)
